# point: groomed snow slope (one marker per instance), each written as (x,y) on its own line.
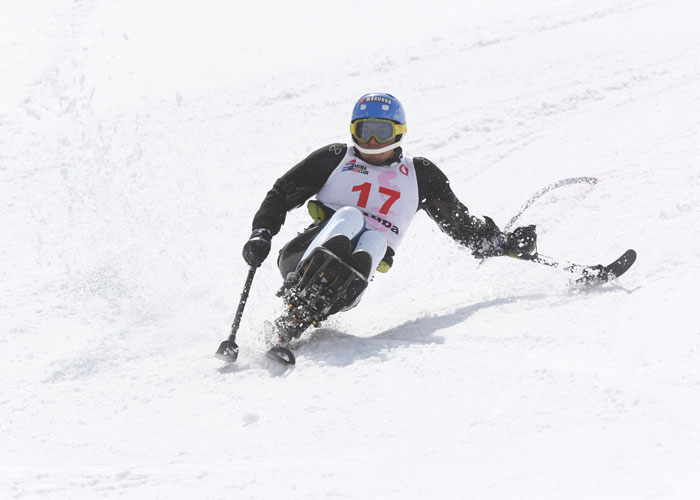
(137,139)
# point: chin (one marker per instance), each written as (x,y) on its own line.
(378,158)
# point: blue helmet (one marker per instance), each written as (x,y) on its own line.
(379,105)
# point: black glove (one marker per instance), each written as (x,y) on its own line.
(522,242)
(257,248)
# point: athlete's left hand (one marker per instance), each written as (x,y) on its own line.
(522,242)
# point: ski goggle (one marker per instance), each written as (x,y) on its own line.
(382,130)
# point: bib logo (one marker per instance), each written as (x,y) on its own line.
(385,223)
(352,166)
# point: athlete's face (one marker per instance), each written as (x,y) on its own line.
(379,158)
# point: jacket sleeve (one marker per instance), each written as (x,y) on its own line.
(299,184)
(438,200)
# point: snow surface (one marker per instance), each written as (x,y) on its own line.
(137,139)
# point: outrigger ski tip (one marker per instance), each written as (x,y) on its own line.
(596,275)
(228,351)
(589,275)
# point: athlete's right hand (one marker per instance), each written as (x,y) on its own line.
(257,248)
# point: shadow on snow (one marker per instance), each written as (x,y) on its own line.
(337,348)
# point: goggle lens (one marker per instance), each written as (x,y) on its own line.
(382,131)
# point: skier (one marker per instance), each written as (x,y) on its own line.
(366,195)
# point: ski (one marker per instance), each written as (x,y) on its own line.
(281,355)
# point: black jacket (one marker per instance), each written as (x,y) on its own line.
(435,196)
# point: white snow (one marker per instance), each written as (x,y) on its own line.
(137,140)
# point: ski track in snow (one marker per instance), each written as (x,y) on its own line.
(136,143)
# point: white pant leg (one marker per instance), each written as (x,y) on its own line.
(348,221)
(374,243)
